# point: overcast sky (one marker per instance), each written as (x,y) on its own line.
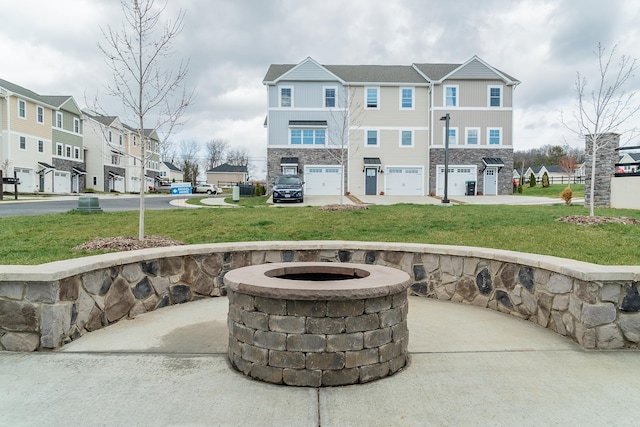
(51,47)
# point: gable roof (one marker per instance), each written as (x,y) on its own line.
(24,92)
(226,168)
(171,166)
(417,73)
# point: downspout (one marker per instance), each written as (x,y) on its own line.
(430,141)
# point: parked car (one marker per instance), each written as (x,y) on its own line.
(163,187)
(206,188)
(288,187)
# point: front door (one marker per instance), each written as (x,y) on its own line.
(41,181)
(491,181)
(371,181)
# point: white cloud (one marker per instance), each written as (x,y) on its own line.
(51,48)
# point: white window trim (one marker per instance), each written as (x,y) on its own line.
(59,119)
(60,146)
(489,95)
(76,153)
(39,142)
(444,135)
(20,138)
(76,125)
(366,137)
(413,143)
(22,102)
(466,136)
(38,109)
(324,96)
(413,98)
(69,148)
(444,96)
(489,133)
(280,96)
(366,89)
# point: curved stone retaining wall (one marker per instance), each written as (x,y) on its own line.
(45,306)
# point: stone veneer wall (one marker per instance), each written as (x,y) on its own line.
(45,306)
(473,156)
(306,157)
(606,159)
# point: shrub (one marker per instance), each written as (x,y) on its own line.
(567,195)
(545,180)
(520,189)
(532,180)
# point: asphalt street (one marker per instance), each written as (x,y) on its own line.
(10,207)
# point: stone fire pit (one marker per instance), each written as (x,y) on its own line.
(317,324)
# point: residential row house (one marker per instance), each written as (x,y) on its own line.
(41,140)
(52,146)
(378,129)
(113,153)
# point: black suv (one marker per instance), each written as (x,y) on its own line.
(287,187)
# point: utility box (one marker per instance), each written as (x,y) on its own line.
(470,188)
(236,193)
(88,204)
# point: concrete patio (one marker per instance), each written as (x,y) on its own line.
(469,366)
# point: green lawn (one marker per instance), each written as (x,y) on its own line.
(44,238)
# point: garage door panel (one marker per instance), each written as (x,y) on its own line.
(457,179)
(322,180)
(404,181)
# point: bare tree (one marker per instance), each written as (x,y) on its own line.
(606,108)
(189,155)
(238,157)
(345,119)
(215,150)
(568,166)
(148,90)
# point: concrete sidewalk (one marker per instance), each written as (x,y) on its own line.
(469,366)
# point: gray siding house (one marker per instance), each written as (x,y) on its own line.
(376,129)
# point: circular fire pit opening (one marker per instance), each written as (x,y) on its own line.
(317,324)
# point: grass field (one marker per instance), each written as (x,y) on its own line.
(534,229)
(552,190)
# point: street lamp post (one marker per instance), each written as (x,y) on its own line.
(446,118)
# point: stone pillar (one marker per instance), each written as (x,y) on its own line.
(606,158)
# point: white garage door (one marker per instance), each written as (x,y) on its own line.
(27,180)
(61,182)
(322,180)
(404,181)
(458,177)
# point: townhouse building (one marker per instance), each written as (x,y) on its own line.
(41,140)
(377,129)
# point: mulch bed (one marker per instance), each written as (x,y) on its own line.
(597,220)
(126,243)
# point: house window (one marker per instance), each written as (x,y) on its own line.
(406,98)
(76,125)
(135,142)
(95,180)
(23,143)
(329,97)
(40,146)
(40,114)
(308,136)
(68,151)
(473,136)
(76,153)
(115,158)
(372,138)
(406,138)
(58,149)
(286,97)
(372,97)
(495,96)
(59,121)
(109,136)
(494,136)
(451,96)
(22,109)
(453,136)
(120,139)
